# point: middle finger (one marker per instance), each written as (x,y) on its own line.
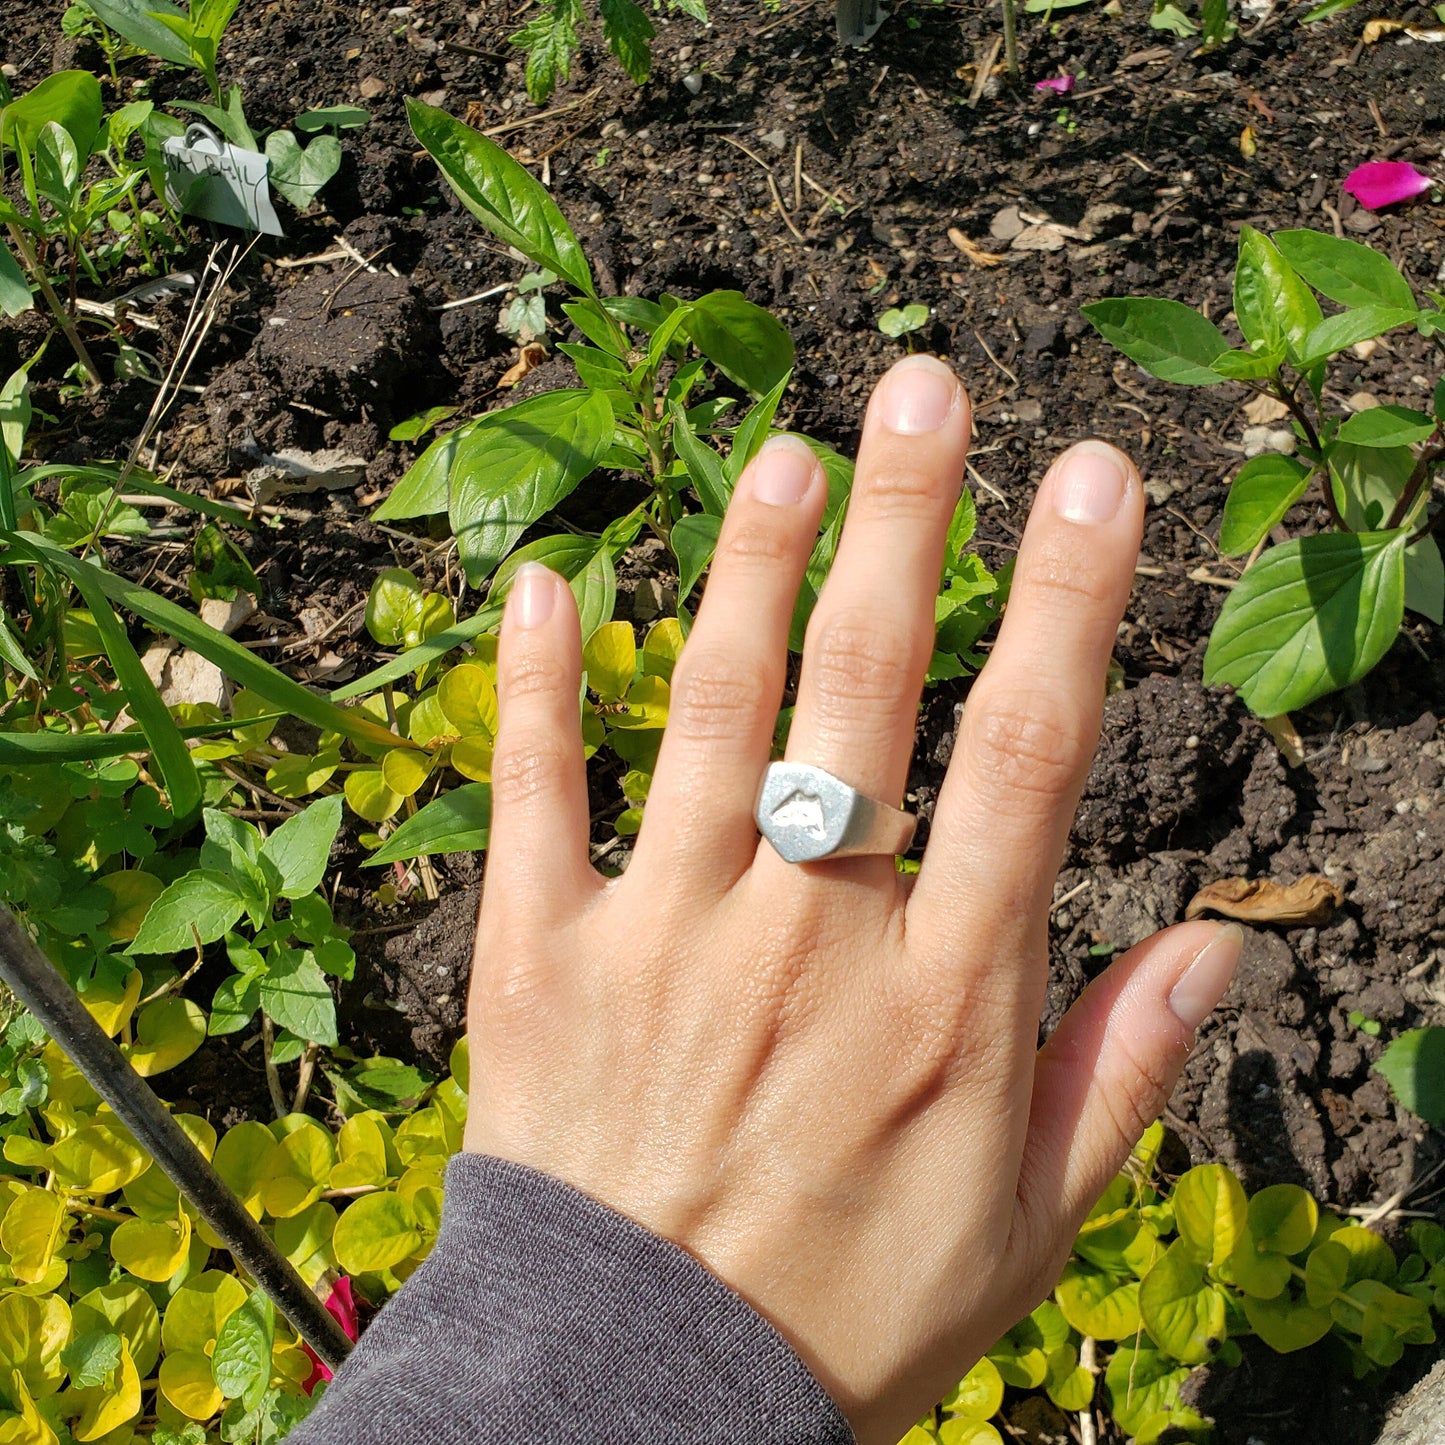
(871,635)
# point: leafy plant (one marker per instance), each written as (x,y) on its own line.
(1171,1279)
(1414,1066)
(1315,613)
(550,38)
(901,321)
(188,37)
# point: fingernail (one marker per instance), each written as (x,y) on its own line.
(917,396)
(1089,483)
(534,594)
(1203,984)
(783,471)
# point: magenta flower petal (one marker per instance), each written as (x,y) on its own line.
(341,1306)
(1383,183)
(1059,84)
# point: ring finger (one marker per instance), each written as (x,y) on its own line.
(871,635)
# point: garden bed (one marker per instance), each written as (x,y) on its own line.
(829,186)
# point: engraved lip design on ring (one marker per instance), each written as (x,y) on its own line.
(808,814)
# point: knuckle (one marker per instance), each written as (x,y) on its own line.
(750,544)
(1134,1107)
(525,675)
(525,770)
(899,490)
(1030,744)
(1066,578)
(715,697)
(857,659)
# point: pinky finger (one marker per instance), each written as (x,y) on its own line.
(1108,1071)
(538,845)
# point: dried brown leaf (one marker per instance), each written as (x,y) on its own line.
(975,253)
(1378,29)
(1311,899)
(529,357)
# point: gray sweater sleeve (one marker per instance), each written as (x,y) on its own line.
(544,1317)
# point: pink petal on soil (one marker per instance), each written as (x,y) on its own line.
(1059,84)
(1382,183)
(341,1306)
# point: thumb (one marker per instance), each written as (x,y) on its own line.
(1108,1071)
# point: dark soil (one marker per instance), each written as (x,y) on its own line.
(671,191)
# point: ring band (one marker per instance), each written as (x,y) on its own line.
(808,814)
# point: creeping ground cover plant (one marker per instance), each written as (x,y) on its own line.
(1313,613)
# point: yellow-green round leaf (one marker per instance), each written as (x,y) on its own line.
(468,698)
(27,1426)
(919,1435)
(459,1063)
(298,775)
(647,703)
(108,1407)
(1096,1304)
(426,724)
(132,892)
(186,1381)
(1370,1256)
(30,1231)
(1256,1271)
(404,770)
(122,1306)
(243,1160)
(662,647)
(1326,1271)
(368,795)
(305,1239)
(375,1232)
(361,1149)
(111,1002)
(979,1394)
(152,1249)
(299,1170)
(98,1159)
(32,1334)
(427,1138)
(1286,1324)
(961,1430)
(1210,1211)
(168,1031)
(472,758)
(1183,1314)
(197,1311)
(1068,1384)
(610,660)
(1283,1217)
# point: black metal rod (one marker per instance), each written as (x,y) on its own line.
(35,981)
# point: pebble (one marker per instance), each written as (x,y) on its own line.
(1363,401)
(371,87)
(1261,439)
(693,82)
(1006,225)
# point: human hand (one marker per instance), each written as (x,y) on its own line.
(822,1082)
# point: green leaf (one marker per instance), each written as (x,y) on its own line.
(1274,308)
(456,822)
(376,1232)
(1263,491)
(704,467)
(1183,1314)
(1425,579)
(70,98)
(1387,426)
(694,540)
(752,431)
(57,166)
(239,663)
(241,1362)
(1414,1066)
(1248,365)
(1338,332)
(747,344)
(1368,481)
(627,30)
(295,993)
(1142,1383)
(300,174)
(518,464)
(90,1357)
(1346,271)
(1210,1211)
(900,321)
(422,490)
(415,658)
(15,294)
(1324,11)
(1096,1303)
(342,117)
(595,588)
(1168,339)
(501,194)
(300,847)
(1311,616)
(206,901)
(235,1004)
(550,40)
(415,427)
(1286,1324)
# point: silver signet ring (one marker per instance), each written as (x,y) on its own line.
(808,814)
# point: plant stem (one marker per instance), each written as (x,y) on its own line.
(1407,499)
(1327,488)
(32,264)
(273,1075)
(1011,39)
(306,1074)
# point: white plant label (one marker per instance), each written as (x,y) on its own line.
(210,178)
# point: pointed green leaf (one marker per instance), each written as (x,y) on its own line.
(300,848)
(456,822)
(501,194)
(204,900)
(1414,1066)
(1336,333)
(1311,616)
(1273,306)
(1345,271)
(747,344)
(694,540)
(15,294)
(1387,426)
(1168,339)
(1263,491)
(295,993)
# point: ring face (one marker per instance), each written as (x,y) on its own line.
(807,814)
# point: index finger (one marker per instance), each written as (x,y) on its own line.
(1031,723)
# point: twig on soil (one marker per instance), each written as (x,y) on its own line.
(474,298)
(1073,893)
(1374,107)
(287,263)
(798,177)
(1392,1204)
(988,352)
(542,115)
(1199,574)
(841,202)
(988,486)
(752,155)
(783,210)
(980,81)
